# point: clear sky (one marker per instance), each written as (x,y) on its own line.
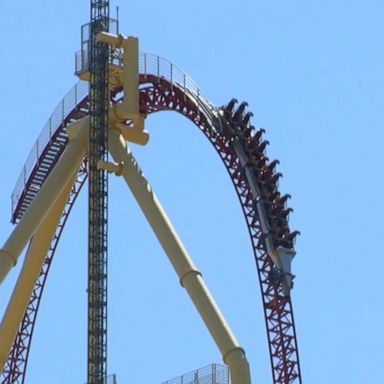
(312,73)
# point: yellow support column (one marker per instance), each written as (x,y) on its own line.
(63,171)
(129,108)
(190,277)
(29,273)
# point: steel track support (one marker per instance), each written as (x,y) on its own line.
(190,278)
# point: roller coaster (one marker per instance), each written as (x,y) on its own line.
(240,146)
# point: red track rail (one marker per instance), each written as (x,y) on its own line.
(160,95)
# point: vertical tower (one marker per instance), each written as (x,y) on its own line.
(98,196)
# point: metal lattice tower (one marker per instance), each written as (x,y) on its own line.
(98,196)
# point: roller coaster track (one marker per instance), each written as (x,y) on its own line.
(166,88)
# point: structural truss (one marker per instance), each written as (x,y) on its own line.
(242,150)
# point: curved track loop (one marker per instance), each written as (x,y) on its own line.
(158,94)
(277,307)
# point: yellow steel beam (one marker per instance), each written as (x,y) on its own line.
(50,190)
(30,272)
(129,108)
(190,278)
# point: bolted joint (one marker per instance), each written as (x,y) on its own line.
(238,364)
(115,168)
(191,272)
(7,261)
(133,134)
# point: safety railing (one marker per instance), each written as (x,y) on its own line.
(149,65)
(153,65)
(211,374)
(66,105)
(163,69)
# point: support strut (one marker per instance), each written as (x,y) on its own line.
(190,278)
(30,272)
(45,198)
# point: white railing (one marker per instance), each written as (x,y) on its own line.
(148,65)
(163,69)
(211,374)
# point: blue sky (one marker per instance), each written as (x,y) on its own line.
(312,73)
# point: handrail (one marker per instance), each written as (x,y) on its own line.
(149,65)
(210,374)
(66,105)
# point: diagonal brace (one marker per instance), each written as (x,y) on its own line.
(190,278)
(29,273)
